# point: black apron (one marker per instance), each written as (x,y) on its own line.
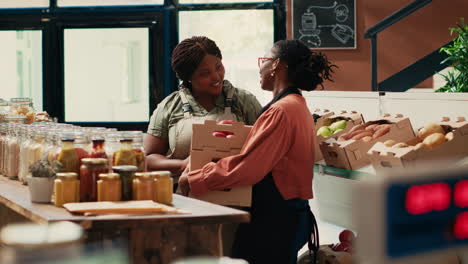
(278,227)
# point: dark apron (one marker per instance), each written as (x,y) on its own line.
(278,227)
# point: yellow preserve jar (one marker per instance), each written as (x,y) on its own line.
(109,187)
(164,186)
(66,188)
(144,186)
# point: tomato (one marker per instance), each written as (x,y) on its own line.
(219,134)
(226,122)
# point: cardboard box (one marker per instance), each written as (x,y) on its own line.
(384,158)
(353,118)
(206,148)
(352,154)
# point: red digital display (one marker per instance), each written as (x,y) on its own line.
(421,199)
(460,229)
(461,194)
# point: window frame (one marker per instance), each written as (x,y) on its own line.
(162,24)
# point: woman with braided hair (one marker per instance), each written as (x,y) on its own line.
(276,159)
(203,94)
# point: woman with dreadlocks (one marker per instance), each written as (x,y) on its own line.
(203,94)
(277,159)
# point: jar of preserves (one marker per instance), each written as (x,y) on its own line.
(98,144)
(125,155)
(164,186)
(3,110)
(66,188)
(89,172)
(109,187)
(23,106)
(126,173)
(67,154)
(144,186)
(137,145)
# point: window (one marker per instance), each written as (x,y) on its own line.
(219,1)
(107,62)
(23,3)
(81,3)
(233,33)
(106,75)
(21,65)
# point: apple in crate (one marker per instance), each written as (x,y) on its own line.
(324,131)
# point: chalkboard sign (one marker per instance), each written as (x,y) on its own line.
(325,24)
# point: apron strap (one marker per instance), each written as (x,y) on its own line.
(185,105)
(228,101)
(314,243)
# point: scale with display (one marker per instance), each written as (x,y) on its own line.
(413,217)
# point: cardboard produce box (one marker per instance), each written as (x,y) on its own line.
(416,153)
(206,148)
(320,115)
(351,154)
(352,119)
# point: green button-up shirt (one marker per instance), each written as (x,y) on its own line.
(245,107)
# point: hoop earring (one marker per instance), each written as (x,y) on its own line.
(272,74)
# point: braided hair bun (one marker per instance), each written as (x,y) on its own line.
(188,54)
(306,69)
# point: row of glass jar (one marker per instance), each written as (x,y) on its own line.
(22,145)
(125,185)
(17,110)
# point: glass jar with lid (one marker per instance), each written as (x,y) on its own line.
(67,154)
(3,135)
(89,172)
(125,155)
(25,135)
(15,119)
(126,173)
(112,145)
(23,106)
(98,142)
(4,106)
(109,187)
(82,144)
(164,186)
(37,144)
(144,186)
(66,188)
(137,145)
(12,152)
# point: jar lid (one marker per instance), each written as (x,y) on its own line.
(94,161)
(125,168)
(144,176)
(67,175)
(45,235)
(160,174)
(109,176)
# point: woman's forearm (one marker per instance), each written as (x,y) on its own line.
(161,162)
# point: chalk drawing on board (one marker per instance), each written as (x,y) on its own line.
(309,32)
(342,13)
(342,33)
(325,24)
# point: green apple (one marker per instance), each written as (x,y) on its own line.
(324,132)
(337,131)
(338,125)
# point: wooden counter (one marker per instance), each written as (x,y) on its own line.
(150,238)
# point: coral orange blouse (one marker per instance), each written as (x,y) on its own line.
(281,141)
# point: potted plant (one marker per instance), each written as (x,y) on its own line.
(457,79)
(41,180)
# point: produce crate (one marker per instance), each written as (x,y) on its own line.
(384,158)
(352,118)
(206,148)
(352,154)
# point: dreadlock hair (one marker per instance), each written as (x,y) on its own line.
(306,69)
(188,54)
